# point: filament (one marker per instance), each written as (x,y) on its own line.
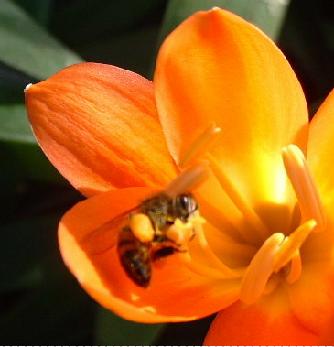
(250,215)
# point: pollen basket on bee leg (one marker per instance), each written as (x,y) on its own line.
(141,227)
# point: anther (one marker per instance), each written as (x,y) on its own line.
(200,145)
(303,184)
(292,244)
(260,269)
(188,180)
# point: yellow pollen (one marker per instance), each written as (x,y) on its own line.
(303,184)
(141,227)
(200,145)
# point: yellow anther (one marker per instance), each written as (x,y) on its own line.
(188,180)
(200,145)
(260,269)
(303,184)
(141,227)
(292,244)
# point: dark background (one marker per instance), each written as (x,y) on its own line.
(40,302)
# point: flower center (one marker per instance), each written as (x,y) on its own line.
(280,254)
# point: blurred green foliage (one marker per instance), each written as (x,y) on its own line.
(40,301)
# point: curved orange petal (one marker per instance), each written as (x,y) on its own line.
(98,125)
(267,323)
(217,68)
(312,296)
(175,293)
(320,149)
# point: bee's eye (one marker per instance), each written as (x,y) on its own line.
(186,204)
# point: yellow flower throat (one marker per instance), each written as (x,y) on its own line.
(279,256)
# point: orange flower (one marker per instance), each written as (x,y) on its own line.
(265,252)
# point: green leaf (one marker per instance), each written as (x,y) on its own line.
(38,9)
(23,246)
(311,55)
(28,162)
(26,46)
(266,14)
(56,312)
(113,330)
(19,148)
(82,22)
(14,125)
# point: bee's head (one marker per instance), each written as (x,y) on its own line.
(185,205)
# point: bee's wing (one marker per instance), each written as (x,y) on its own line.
(103,238)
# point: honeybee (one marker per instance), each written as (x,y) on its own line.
(158,227)
(147,237)
(147,233)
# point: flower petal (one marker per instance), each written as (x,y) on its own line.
(98,125)
(320,150)
(175,293)
(268,323)
(312,296)
(216,68)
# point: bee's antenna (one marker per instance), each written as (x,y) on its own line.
(188,179)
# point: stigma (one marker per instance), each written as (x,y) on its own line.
(279,257)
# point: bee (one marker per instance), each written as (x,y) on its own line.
(150,231)
(147,239)
(146,234)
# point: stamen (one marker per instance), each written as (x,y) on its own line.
(260,269)
(188,180)
(210,255)
(200,145)
(295,269)
(292,244)
(206,271)
(303,184)
(250,215)
(218,270)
